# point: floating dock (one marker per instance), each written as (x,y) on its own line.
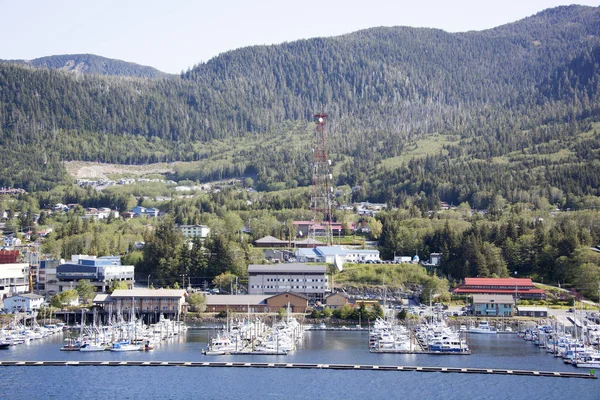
(484,371)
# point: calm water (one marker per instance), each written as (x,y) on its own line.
(490,351)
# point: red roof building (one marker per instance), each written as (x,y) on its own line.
(9,256)
(521,287)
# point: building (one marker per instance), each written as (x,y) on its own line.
(532,311)
(257,303)
(335,254)
(14,279)
(270,241)
(336,300)
(522,288)
(140,211)
(304,279)
(191,231)
(498,305)
(167,302)
(100,271)
(23,302)
(309,228)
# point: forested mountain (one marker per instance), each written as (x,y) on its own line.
(92,64)
(513,110)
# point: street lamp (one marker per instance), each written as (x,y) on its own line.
(148,281)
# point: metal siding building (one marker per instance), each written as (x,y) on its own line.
(309,280)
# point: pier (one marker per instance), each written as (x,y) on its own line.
(548,374)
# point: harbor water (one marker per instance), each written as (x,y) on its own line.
(324,347)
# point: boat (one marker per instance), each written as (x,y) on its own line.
(483,327)
(4,345)
(588,361)
(70,345)
(88,347)
(125,347)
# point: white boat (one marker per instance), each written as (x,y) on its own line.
(588,361)
(483,327)
(125,347)
(92,347)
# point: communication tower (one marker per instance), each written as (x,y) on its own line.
(321,181)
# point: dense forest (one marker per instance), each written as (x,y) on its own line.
(514,107)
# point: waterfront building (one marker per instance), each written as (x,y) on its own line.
(100,271)
(23,302)
(532,311)
(496,305)
(305,279)
(168,302)
(256,303)
(522,288)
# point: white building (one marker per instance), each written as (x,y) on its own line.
(309,280)
(23,302)
(190,231)
(331,254)
(14,278)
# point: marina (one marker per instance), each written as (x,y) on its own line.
(341,350)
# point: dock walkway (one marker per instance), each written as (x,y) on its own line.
(241,364)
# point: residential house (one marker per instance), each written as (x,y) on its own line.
(23,302)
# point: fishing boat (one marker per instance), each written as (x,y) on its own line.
(483,327)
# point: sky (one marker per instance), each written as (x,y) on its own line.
(174,35)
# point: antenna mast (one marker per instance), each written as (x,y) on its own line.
(321,185)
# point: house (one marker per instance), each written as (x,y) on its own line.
(532,311)
(304,279)
(336,300)
(519,287)
(140,211)
(435,258)
(498,305)
(23,302)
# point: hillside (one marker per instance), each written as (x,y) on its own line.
(413,112)
(92,64)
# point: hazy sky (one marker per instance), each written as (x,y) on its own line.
(174,35)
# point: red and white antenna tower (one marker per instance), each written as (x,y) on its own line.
(320,201)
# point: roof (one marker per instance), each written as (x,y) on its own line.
(31,296)
(269,239)
(331,250)
(498,282)
(149,293)
(337,294)
(286,268)
(235,299)
(493,298)
(498,291)
(532,308)
(300,295)
(101,298)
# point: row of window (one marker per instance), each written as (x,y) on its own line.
(284,287)
(295,280)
